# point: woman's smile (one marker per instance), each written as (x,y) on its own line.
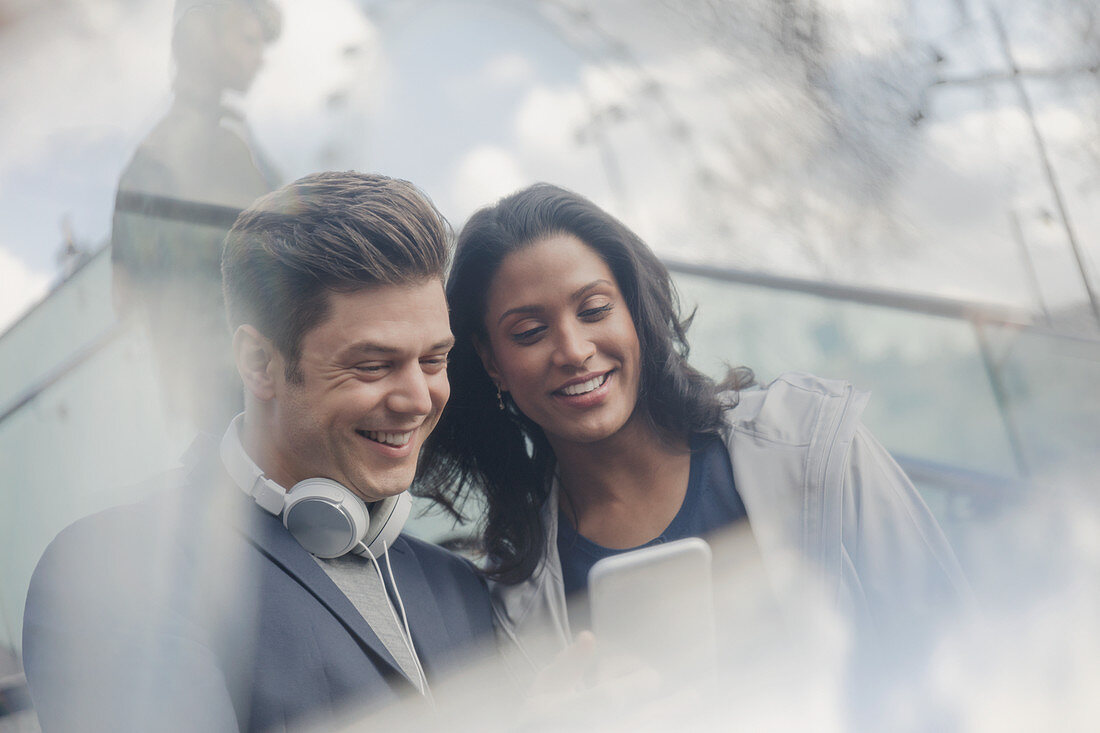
(586,391)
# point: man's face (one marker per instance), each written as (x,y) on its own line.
(373,382)
(241,47)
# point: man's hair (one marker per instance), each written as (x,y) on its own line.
(326,233)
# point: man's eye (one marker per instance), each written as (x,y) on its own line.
(434,363)
(370,368)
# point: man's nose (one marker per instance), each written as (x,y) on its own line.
(411,394)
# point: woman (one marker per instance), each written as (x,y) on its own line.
(578,422)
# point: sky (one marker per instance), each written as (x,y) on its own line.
(696,126)
(875,160)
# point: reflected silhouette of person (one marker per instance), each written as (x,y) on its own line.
(177,199)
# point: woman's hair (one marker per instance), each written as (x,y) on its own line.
(501,454)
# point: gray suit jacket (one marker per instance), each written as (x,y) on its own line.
(196,610)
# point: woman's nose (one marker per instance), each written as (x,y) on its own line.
(573,347)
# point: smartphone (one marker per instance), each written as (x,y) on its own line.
(655,605)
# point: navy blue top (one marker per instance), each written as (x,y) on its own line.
(711,502)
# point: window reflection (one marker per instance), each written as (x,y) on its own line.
(179,195)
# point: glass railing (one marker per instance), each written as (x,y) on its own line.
(971,388)
(84,427)
(49,334)
(925,371)
(972,404)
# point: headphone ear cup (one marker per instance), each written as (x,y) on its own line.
(387,519)
(326,518)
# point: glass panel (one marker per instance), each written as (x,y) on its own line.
(81,445)
(1052,382)
(48,334)
(931,398)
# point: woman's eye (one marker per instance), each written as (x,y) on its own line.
(528,336)
(596,313)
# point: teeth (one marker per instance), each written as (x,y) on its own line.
(394,439)
(591,384)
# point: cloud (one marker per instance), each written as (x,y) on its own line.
(548,119)
(102,65)
(482,176)
(80,84)
(509,69)
(22,286)
(308,102)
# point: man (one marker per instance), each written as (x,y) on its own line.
(179,195)
(201,608)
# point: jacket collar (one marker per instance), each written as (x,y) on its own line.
(787,445)
(267,533)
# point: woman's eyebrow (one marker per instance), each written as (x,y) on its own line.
(536,309)
(579,292)
(525,309)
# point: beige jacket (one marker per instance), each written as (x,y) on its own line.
(819,490)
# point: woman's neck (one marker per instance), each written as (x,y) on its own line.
(625,490)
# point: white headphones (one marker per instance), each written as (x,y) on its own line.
(326,517)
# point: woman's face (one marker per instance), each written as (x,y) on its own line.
(561,340)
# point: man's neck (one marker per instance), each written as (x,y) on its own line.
(195,93)
(257,443)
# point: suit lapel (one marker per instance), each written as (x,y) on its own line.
(272,539)
(426,621)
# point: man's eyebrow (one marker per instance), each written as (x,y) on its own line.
(370,347)
(444,345)
(536,309)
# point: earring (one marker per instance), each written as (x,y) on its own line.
(500,398)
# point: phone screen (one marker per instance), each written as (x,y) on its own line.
(655,606)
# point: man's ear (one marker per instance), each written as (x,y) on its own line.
(485,353)
(257,361)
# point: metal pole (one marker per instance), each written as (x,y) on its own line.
(1000,395)
(1029,265)
(1044,157)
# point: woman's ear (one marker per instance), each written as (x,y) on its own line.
(485,353)
(257,361)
